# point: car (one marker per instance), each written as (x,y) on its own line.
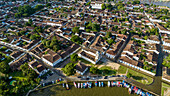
(78,76)
(113,76)
(118,75)
(106,77)
(109,76)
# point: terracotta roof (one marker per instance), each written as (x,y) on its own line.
(51,56)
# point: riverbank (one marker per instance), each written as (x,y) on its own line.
(58,90)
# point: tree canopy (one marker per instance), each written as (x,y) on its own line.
(76,39)
(166,61)
(4,67)
(74,57)
(93,70)
(75,30)
(69,69)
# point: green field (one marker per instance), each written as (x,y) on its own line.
(140,77)
(107,71)
(122,70)
(58,90)
(136,75)
(164,88)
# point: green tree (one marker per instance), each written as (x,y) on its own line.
(108,34)
(103,6)
(75,30)
(110,41)
(76,39)
(166,61)
(69,69)
(94,70)
(129,75)
(74,57)
(4,67)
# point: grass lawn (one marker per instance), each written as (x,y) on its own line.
(164,88)
(17,75)
(122,69)
(109,71)
(140,77)
(58,90)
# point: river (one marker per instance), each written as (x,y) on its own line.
(165,3)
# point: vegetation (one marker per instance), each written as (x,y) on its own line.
(122,70)
(74,57)
(166,61)
(94,70)
(24,81)
(76,39)
(53,44)
(107,70)
(75,30)
(92,27)
(129,75)
(140,77)
(27,10)
(69,69)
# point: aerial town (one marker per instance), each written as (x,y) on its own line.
(53,48)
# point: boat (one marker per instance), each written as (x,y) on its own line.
(134,88)
(95,83)
(63,85)
(112,83)
(75,84)
(148,94)
(90,84)
(99,84)
(108,83)
(81,85)
(124,85)
(130,90)
(127,86)
(138,91)
(118,84)
(84,85)
(143,94)
(78,85)
(67,87)
(102,84)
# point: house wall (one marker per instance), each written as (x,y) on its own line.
(82,73)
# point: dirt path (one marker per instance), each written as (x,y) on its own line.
(109,63)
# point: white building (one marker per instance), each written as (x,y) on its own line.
(90,55)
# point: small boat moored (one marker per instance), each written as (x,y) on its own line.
(108,83)
(67,87)
(63,85)
(75,84)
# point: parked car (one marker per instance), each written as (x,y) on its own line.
(106,77)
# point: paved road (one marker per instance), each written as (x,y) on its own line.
(118,55)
